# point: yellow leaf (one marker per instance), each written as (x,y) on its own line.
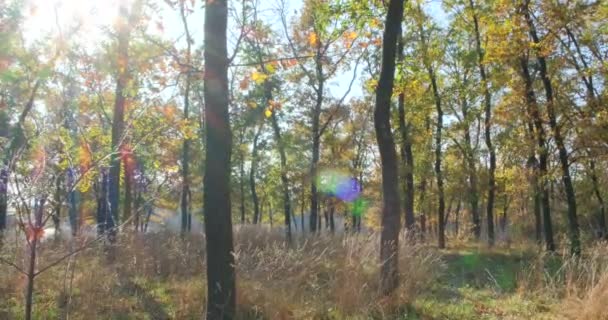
(270,68)
(258,77)
(267,113)
(351,35)
(252,105)
(312,39)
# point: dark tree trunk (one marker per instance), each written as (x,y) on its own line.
(316,137)
(58,202)
(438,130)
(221,282)
(105,221)
(302,205)
(284,180)
(472,174)
(534,112)
(332,222)
(422,207)
(391,211)
(574,233)
(601,216)
(252,173)
(31,271)
(128,192)
(122,62)
(487,126)
(408,160)
(457,217)
(242,182)
(184,203)
(73,202)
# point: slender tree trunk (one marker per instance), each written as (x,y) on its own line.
(122,62)
(391,211)
(252,173)
(302,205)
(221,282)
(186,145)
(242,182)
(73,202)
(284,180)
(128,193)
(316,146)
(533,110)
(574,233)
(438,130)
(57,210)
(487,126)
(438,171)
(472,174)
(33,244)
(601,216)
(408,160)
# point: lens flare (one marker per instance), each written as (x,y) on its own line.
(338,184)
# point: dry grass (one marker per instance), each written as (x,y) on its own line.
(160,276)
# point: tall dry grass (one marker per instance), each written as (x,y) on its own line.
(161,276)
(580,284)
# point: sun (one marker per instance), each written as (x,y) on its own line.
(53,17)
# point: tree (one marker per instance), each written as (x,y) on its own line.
(221,282)
(574,232)
(391,209)
(487,96)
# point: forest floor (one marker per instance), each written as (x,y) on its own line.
(162,277)
(482,284)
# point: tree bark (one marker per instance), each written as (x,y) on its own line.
(316,143)
(601,216)
(438,130)
(408,160)
(122,63)
(252,173)
(574,232)
(221,282)
(543,153)
(184,203)
(391,211)
(487,126)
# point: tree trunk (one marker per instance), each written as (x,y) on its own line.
(487,126)
(284,180)
(472,174)
(316,145)
(438,129)
(122,62)
(601,216)
(533,110)
(391,211)
(57,209)
(186,146)
(574,233)
(73,202)
(252,173)
(242,182)
(221,282)
(408,160)
(31,272)
(128,192)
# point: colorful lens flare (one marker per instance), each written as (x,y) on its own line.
(338,184)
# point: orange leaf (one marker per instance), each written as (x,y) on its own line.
(34,233)
(312,39)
